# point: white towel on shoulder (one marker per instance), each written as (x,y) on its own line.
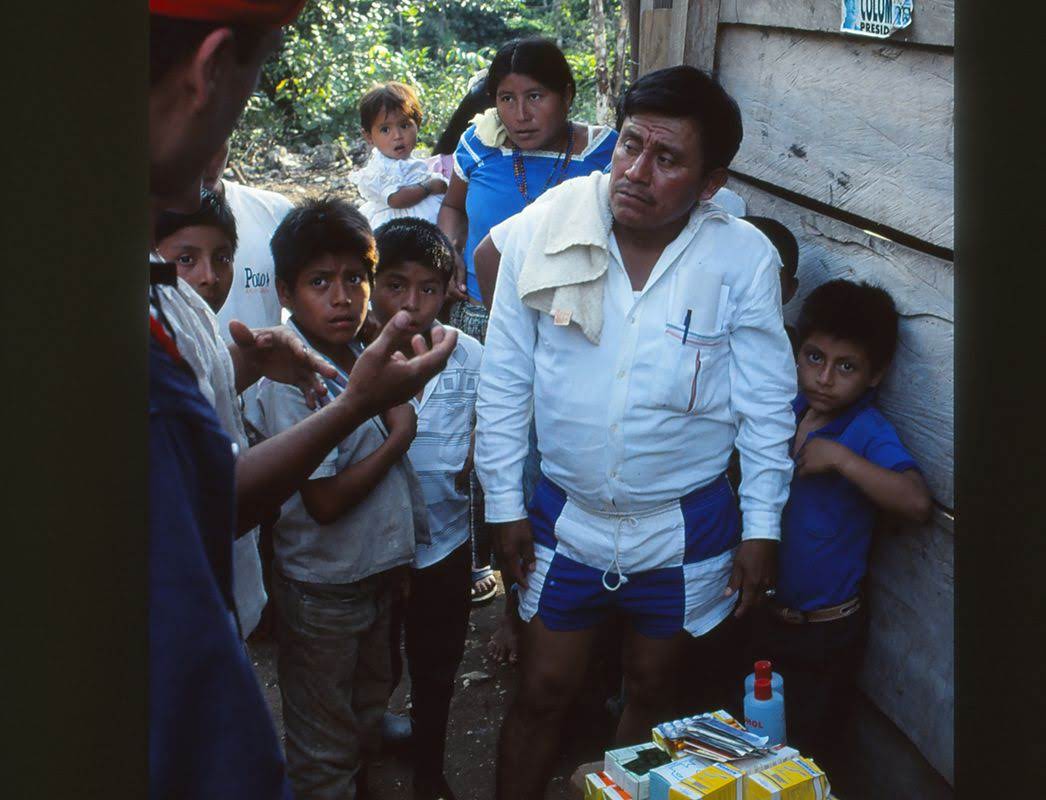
(565,266)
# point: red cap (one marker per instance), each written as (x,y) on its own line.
(762,689)
(762,669)
(275,13)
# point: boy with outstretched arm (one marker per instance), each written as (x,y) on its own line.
(341,542)
(850,464)
(415,266)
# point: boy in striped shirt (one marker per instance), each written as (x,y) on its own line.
(415,264)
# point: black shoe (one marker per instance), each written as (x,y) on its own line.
(432,789)
(396,730)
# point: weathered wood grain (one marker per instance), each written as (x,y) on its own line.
(863,126)
(655,31)
(918,392)
(699,28)
(909,668)
(933,21)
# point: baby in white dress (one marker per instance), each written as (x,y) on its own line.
(393,182)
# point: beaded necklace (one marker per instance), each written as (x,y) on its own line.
(520,171)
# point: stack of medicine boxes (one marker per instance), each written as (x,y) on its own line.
(781,775)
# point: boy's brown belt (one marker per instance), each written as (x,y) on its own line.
(790,615)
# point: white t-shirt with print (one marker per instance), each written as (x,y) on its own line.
(252,299)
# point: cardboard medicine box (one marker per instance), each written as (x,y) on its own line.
(599,786)
(796,779)
(717,782)
(667,775)
(614,765)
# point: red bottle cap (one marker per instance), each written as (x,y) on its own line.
(762,689)
(762,670)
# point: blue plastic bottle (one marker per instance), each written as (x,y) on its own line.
(765,712)
(762,670)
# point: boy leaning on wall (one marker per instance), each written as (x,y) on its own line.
(849,465)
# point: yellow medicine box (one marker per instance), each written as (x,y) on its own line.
(717,782)
(796,779)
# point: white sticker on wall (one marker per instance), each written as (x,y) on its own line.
(878,18)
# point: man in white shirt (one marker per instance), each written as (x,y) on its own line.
(642,328)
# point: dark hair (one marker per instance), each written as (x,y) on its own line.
(414,239)
(687,92)
(213,211)
(538,58)
(474,102)
(318,227)
(173,40)
(781,238)
(858,312)
(388,97)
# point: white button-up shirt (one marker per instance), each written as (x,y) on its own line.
(645,417)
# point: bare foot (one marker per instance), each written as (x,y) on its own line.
(504,643)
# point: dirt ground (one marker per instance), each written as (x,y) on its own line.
(481,697)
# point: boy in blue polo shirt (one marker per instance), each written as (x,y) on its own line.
(850,463)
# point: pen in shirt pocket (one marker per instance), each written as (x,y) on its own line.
(686,324)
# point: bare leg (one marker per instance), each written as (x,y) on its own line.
(553,668)
(651,667)
(504,642)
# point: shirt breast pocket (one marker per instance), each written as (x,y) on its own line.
(692,379)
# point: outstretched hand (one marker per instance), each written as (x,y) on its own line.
(383,377)
(278,354)
(755,571)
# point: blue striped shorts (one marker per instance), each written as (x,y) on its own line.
(665,568)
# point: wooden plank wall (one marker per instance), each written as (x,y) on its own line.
(863,126)
(918,393)
(848,140)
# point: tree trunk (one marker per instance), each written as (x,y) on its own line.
(604,102)
(622,56)
(557,15)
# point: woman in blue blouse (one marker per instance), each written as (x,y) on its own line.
(521,147)
(506,159)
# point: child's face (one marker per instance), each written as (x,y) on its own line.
(833,373)
(412,287)
(328,299)
(394,134)
(203,255)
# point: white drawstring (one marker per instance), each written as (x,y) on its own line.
(616,565)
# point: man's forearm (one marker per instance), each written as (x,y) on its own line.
(273,470)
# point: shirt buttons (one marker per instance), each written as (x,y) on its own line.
(613,428)
(621,373)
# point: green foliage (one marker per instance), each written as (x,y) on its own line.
(338,49)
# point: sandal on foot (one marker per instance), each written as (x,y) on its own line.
(481,596)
